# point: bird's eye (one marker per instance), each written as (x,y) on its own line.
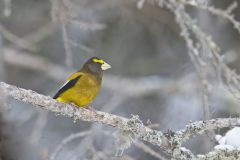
(98,61)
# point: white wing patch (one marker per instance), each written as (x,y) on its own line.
(64,84)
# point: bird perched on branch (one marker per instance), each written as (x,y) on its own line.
(82,87)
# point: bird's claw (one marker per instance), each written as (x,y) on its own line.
(91,109)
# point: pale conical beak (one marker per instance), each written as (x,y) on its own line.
(105,66)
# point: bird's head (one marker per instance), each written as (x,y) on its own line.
(95,65)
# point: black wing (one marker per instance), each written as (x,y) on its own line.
(65,87)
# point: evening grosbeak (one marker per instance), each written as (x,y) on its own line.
(82,87)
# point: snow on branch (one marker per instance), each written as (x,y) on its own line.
(176,139)
(201,126)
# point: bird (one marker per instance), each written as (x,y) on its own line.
(82,87)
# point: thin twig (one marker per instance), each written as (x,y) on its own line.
(39,127)
(16,40)
(67,140)
(149,150)
(68,51)
(2,62)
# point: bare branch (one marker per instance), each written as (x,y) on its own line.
(7,10)
(16,40)
(227,14)
(67,140)
(41,33)
(2,68)
(68,51)
(39,126)
(149,150)
(88,26)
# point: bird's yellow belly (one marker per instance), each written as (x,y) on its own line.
(81,95)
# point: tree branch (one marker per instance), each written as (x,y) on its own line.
(201,126)
(133,125)
(47,103)
(16,40)
(221,154)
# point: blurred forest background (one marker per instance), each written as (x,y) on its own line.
(152,75)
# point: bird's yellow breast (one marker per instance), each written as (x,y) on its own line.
(83,92)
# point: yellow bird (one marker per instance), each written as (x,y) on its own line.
(82,87)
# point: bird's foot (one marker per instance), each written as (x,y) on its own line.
(91,109)
(73,104)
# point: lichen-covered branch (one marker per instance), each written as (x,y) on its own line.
(133,125)
(221,154)
(46,102)
(201,126)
